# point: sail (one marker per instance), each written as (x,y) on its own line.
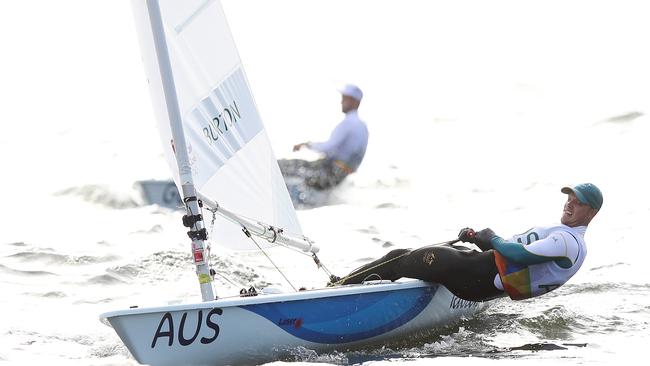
(231,159)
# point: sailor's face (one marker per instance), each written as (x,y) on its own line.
(348,103)
(576,213)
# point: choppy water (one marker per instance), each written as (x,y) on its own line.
(475,121)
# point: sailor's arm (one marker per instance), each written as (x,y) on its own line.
(327,147)
(558,246)
(330,146)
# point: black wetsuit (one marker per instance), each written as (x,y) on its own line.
(468,274)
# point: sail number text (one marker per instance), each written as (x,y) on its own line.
(220,124)
(166,329)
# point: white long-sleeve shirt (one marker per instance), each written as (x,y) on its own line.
(539,260)
(347,142)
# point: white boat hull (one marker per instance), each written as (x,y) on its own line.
(252,330)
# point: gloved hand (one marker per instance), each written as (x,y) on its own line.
(483,237)
(467,235)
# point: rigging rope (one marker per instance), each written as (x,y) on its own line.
(222,276)
(319,264)
(267,256)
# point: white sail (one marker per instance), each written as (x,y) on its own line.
(231,160)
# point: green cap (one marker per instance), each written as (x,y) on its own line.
(586,193)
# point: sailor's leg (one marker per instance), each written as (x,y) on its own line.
(384,268)
(293,167)
(422,263)
(319,174)
(467,274)
(337,175)
(325,175)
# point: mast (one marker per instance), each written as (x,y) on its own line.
(193,219)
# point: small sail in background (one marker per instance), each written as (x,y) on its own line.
(231,159)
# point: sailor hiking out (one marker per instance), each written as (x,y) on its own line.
(524,266)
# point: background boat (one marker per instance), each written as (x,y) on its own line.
(165,194)
(160,192)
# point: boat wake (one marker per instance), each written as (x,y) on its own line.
(28,273)
(158,266)
(48,258)
(107,279)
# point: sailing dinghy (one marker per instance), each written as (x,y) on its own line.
(220,157)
